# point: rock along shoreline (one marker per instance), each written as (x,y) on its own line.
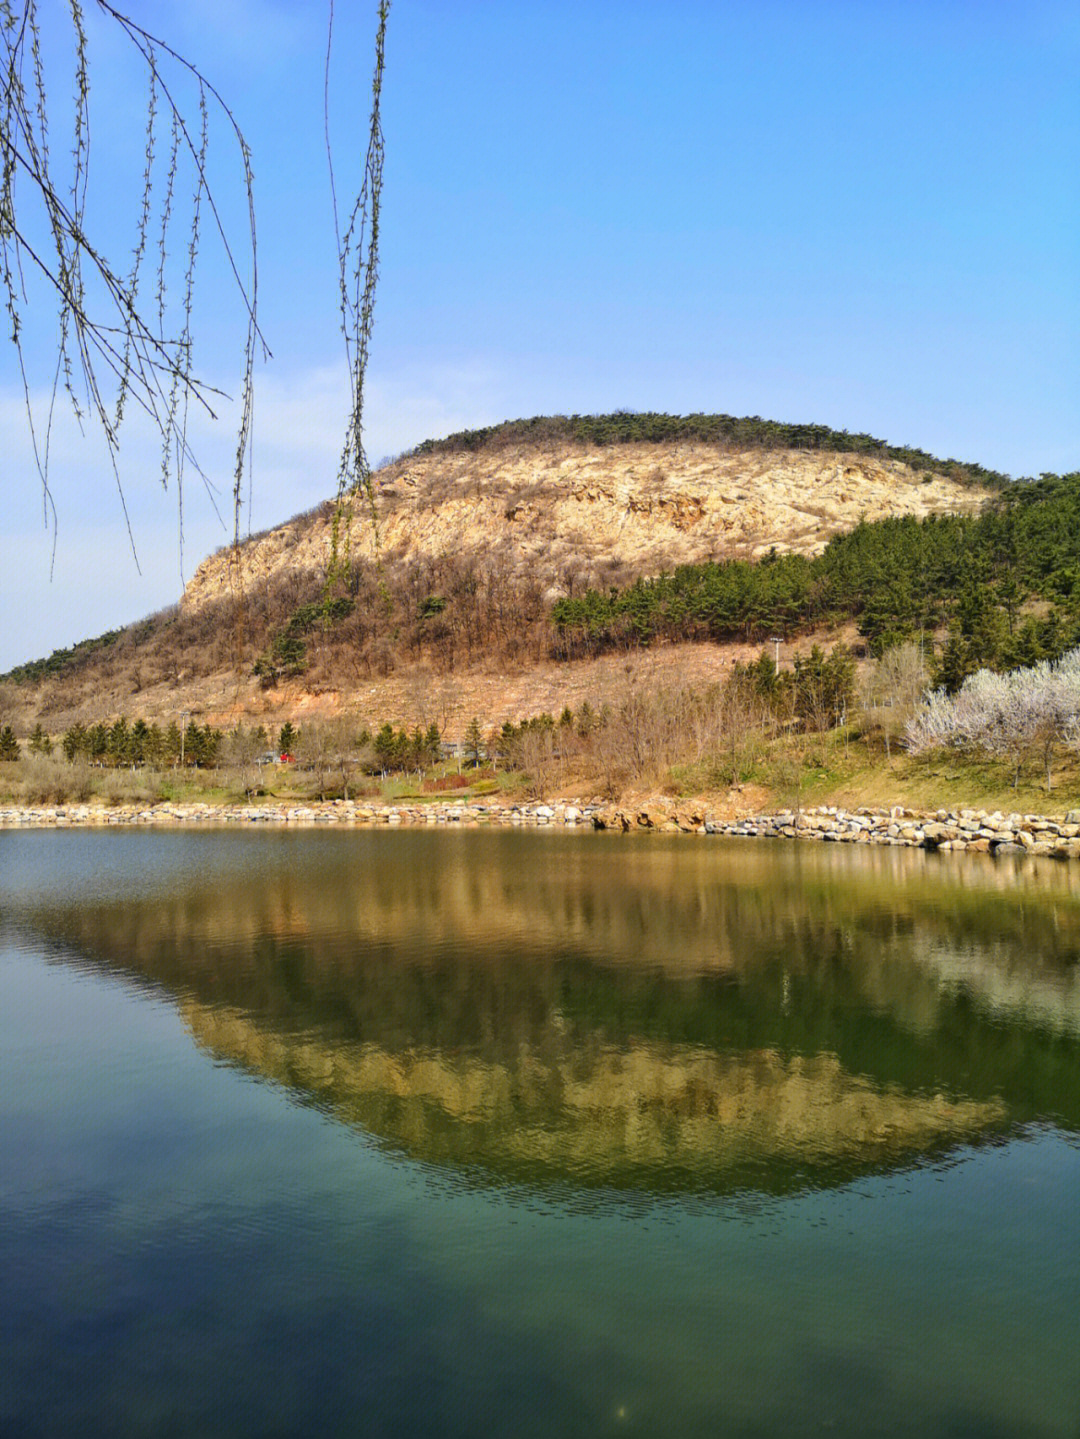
(947,830)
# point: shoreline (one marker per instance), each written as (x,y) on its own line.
(966,830)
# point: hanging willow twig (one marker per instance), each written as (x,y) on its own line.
(358,262)
(115,347)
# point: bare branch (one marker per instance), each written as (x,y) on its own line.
(106,338)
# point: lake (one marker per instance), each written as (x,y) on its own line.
(522,1133)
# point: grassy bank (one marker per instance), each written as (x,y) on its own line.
(762,773)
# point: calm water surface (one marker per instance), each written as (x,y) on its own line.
(504,1133)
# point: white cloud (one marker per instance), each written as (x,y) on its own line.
(426,402)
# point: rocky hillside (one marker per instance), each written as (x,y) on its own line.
(568,513)
(454,570)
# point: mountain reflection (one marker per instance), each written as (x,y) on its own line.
(573,1010)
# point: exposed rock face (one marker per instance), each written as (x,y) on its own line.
(566,512)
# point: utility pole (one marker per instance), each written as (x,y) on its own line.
(183,731)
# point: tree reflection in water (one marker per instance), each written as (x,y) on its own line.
(582,1012)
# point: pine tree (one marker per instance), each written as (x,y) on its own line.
(140,735)
(119,745)
(433,743)
(192,744)
(40,743)
(384,747)
(75,743)
(98,742)
(474,742)
(155,745)
(172,743)
(9,745)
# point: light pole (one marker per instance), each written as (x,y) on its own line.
(183,731)
(777,641)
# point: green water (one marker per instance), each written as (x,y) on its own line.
(505,1133)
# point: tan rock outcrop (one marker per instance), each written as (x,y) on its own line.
(567,512)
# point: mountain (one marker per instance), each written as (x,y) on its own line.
(467,543)
(569,513)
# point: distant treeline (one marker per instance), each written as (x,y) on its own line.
(1006,584)
(121,744)
(726,431)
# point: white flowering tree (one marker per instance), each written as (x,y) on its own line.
(1010,717)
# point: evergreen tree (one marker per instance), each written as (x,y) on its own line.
(433,744)
(474,742)
(74,743)
(139,737)
(118,748)
(172,744)
(192,744)
(824,686)
(417,749)
(764,675)
(9,745)
(209,747)
(287,738)
(586,719)
(40,743)
(98,742)
(155,746)
(384,748)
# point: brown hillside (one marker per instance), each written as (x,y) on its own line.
(571,515)
(472,544)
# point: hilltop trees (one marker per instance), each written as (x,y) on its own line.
(725,431)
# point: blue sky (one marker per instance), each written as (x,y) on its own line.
(859,214)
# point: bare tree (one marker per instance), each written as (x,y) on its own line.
(120,341)
(891,690)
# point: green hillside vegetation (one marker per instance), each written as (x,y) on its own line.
(1004,584)
(61,660)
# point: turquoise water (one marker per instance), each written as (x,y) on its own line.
(505,1133)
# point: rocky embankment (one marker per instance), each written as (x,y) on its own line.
(975,830)
(965,829)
